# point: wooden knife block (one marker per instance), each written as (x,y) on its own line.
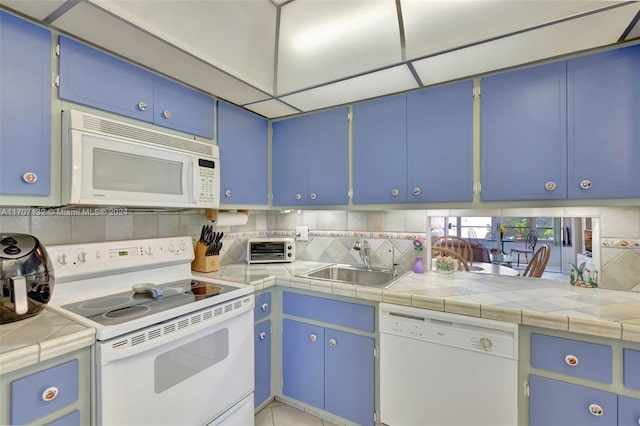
(204,263)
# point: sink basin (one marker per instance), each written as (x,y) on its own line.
(381,278)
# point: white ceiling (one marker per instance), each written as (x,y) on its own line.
(311,54)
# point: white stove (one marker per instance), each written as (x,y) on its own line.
(177,351)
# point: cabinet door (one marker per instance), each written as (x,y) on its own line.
(631,362)
(302,362)
(181,108)
(290,162)
(552,402)
(604,124)
(94,78)
(262,362)
(524,142)
(440,144)
(243,143)
(349,376)
(328,157)
(628,411)
(380,150)
(25,107)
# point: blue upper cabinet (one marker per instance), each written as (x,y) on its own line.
(380,150)
(91,77)
(244,159)
(524,142)
(94,78)
(604,125)
(440,144)
(177,107)
(25,107)
(311,159)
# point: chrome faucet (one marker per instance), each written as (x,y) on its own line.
(365,252)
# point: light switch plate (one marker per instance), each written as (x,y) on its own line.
(302,233)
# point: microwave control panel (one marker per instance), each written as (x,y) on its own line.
(208,183)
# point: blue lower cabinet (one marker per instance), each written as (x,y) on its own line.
(628,411)
(631,369)
(262,362)
(553,402)
(349,376)
(302,362)
(71,419)
(329,369)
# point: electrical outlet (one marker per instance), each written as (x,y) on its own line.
(302,233)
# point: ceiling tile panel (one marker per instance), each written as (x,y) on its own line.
(433,26)
(236,36)
(547,42)
(324,41)
(94,25)
(38,9)
(379,83)
(272,108)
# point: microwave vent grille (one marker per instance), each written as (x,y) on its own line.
(139,134)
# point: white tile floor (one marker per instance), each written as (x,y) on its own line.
(279,414)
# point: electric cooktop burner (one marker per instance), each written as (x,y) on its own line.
(126,306)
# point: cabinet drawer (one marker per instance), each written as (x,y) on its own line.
(632,369)
(71,419)
(553,402)
(28,393)
(579,359)
(345,314)
(262,307)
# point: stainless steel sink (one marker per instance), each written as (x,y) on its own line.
(381,278)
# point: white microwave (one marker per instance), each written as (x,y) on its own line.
(112,163)
(271,250)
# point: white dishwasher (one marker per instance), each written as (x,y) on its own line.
(443,369)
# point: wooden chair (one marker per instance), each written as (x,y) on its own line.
(473,237)
(457,244)
(442,251)
(530,246)
(538,262)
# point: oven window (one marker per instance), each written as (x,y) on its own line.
(177,365)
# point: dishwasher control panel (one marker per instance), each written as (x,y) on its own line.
(470,333)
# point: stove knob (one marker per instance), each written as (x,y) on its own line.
(183,246)
(62,259)
(172,247)
(82,257)
(149,250)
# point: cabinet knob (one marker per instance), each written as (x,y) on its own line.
(313,337)
(332,342)
(265,306)
(417,191)
(550,186)
(313,196)
(30,177)
(142,106)
(596,410)
(227,193)
(167,113)
(298,197)
(50,393)
(585,184)
(263,335)
(395,192)
(571,360)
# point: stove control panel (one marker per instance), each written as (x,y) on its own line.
(73,260)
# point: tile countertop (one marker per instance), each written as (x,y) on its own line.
(39,338)
(530,301)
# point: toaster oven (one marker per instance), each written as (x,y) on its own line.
(271,250)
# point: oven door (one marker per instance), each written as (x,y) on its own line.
(192,379)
